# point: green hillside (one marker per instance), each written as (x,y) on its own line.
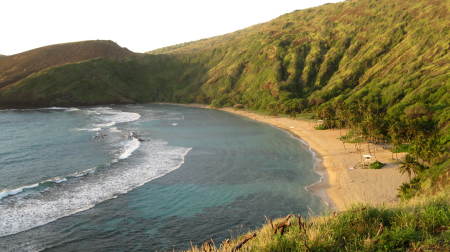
(16,67)
(139,78)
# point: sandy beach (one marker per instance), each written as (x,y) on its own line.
(343,183)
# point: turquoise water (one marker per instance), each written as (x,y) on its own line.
(143,177)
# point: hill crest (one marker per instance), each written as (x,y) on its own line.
(18,66)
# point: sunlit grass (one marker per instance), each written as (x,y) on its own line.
(418,225)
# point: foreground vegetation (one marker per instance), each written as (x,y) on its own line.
(422,224)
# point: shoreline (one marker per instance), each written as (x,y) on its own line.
(341,184)
(317,188)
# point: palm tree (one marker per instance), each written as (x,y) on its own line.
(410,166)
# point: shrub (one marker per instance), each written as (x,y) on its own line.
(376,165)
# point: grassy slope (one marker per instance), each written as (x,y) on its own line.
(419,225)
(19,66)
(336,51)
(101,81)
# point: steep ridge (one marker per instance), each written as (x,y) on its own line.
(336,51)
(18,66)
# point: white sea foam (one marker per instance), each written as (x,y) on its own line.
(72,109)
(158,159)
(19,214)
(91,129)
(129,148)
(56,180)
(104,125)
(90,112)
(115,130)
(115,116)
(63,108)
(55,108)
(107,117)
(9,192)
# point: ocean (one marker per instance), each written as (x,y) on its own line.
(150,177)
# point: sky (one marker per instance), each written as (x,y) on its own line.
(138,25)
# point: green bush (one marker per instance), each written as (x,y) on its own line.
(376,165)
(320,127)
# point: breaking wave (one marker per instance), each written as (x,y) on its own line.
(84,192)
(129,148)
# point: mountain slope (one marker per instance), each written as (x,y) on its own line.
(321,53)
(137,78)
(19,66)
